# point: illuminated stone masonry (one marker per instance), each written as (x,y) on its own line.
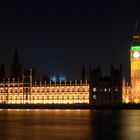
(135,73)
(71,92)
(21,87)
(131,93)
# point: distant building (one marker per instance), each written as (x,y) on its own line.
(105,90)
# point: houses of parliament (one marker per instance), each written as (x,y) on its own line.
(22,88)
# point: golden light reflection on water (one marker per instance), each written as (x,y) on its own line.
(68,124)
(130,124)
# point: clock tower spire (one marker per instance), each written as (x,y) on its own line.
(136,36)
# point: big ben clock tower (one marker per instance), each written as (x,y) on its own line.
(135,67)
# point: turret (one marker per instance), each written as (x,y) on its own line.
(2,72)
(16,69)
(83,74)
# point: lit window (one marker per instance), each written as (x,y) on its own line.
(105,90)
(94,89)
(116,89)
(15,97)
(84,97)
(94,97)
(10,97)
(52,89)
(6,97)
(78,97)
(83,90)
(52,97)
(20,97)
(63,90)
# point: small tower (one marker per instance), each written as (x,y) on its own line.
(16,69)
(136,36)
(2,72)
(31,80)
(83,74)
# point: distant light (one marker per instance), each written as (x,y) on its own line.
(53,78)
(62,77)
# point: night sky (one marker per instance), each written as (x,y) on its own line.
(61,36)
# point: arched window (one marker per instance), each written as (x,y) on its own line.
(33,97)
(67,97)
(37,97)
(42,97)
(78,97)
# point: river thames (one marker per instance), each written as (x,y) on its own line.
(69,124)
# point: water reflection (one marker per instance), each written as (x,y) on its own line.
(130,125)
(69,124)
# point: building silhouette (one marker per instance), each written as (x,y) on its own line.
(16,67)
(105,90)
(2,72)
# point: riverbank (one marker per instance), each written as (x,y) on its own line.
(69,106)
(44,106)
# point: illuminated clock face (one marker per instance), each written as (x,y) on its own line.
(136,54)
